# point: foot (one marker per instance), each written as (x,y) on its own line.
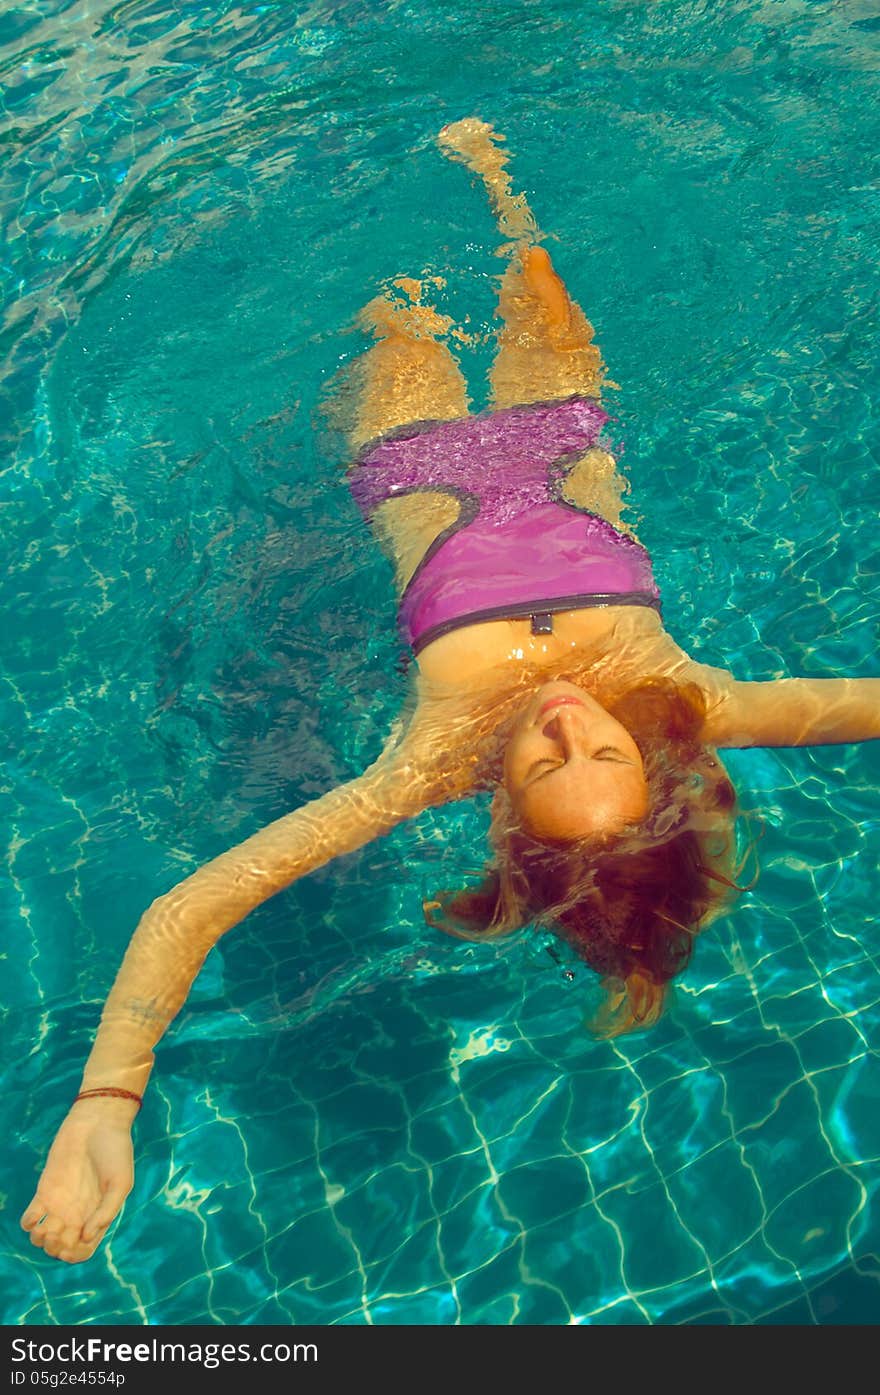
(472,141)
(475,144)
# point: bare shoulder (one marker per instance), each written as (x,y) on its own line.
(651,652)
(644,649)
(431,751)
(780,711)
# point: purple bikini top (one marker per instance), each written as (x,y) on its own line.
(517,549)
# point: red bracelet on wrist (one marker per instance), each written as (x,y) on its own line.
(112,1092)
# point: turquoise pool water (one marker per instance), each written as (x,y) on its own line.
(355,1119)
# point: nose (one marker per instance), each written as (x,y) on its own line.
(563,729)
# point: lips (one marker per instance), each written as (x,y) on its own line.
(560,702)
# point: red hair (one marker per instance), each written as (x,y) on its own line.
(631,906)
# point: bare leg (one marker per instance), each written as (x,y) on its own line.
(407,376)
(545,345)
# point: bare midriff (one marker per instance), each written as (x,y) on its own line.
(469,652)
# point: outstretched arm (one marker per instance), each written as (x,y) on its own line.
(89,1171)
(791,711)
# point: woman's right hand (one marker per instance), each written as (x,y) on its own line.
(88,1174)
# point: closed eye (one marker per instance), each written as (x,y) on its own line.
(605,751)
(542,767)
(545,767)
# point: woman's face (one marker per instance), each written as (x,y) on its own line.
(571,770)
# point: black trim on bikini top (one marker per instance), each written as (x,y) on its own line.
(526,610)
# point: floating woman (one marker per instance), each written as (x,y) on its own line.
(543,673)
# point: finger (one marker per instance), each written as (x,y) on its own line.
(76,1253)
(38,1236)
(106,1210)
(94,1230)
(61,1240)
(34,1213)
(46,1234)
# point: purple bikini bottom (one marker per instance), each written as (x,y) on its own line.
(517,549)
